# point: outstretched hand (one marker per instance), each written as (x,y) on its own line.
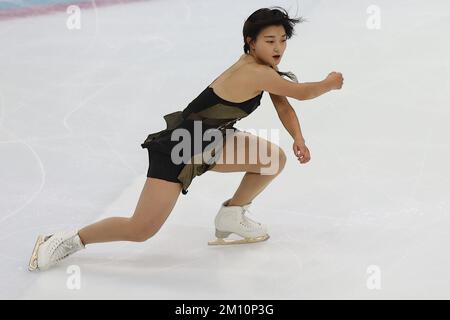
(301,151)
(335,79)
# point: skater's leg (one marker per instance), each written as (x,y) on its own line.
(156,202)
(259,173)
(252,184)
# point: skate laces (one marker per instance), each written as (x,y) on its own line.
(246,211)
(61,249)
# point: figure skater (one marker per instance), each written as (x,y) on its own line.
(233,95)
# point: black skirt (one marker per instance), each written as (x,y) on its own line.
(161,166)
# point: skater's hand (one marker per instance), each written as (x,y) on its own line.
(301,151)
(335,80)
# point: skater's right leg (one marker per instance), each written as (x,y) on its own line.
(156,202)
(261,161)
(260,169)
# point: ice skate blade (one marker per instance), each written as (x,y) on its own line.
(220,241)
(32,265)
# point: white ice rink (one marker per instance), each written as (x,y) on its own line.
(372,205)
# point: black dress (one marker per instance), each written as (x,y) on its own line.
(214,113)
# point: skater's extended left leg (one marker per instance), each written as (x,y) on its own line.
(156,202)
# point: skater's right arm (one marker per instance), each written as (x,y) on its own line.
(268,79)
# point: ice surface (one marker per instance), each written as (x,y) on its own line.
(76,104)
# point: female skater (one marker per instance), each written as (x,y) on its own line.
(230,97)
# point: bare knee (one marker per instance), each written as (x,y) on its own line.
(140,232)
(277,162)
(280,162)
(282,159)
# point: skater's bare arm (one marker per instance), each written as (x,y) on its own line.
(288,116)
(268,79)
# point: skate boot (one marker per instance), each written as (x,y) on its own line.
(232,219)
(51,249)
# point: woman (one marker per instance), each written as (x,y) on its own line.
(230,97)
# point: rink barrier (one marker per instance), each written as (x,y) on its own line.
(29,8)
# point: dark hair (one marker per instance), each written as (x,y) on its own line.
(264,17)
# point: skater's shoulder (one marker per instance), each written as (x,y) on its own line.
(264,69)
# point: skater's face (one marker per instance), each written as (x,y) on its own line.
(269,45)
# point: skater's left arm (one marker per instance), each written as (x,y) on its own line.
(289,118)
(287,115)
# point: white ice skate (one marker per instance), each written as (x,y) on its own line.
(232,219)
(51,249)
